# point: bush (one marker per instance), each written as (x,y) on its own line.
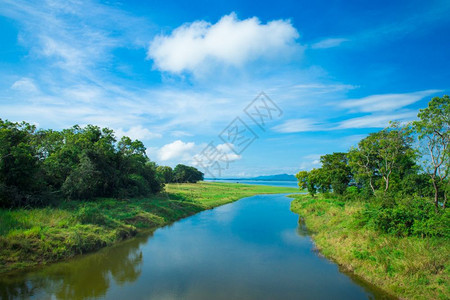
(351,193)
(405,217)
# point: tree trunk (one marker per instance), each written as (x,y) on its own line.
(371,185)
(436,193)
(445,200)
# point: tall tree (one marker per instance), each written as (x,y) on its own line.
(362,160)
(337,171)
(19,163)
(381,154)
(165,173)
(314,181)
(304,182)
(433,131)
(393,145)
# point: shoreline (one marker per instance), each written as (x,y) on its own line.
(400,266)
(30,238)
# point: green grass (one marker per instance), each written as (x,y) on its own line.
(407,267)
(30,237)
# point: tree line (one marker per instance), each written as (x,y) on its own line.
(41,166)
(402,168)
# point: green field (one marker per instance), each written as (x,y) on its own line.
(36,236)
(407,267)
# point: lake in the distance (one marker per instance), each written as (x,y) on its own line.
(293,184)
(250,249)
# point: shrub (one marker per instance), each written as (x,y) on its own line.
(405,217)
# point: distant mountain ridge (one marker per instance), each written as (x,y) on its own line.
(277,177)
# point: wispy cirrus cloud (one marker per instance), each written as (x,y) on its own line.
(379,110)
(74,35)
(385,102)
(376,121)
(25,84)
(137,133)
(328,43)
(422,19)
(298,125)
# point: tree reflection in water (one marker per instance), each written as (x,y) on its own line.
(84,277)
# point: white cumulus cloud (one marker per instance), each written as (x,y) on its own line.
(176,150)
(228,150)
(230,41)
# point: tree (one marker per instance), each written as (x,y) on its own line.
(19,163)
(380,155)
(362,162)
(83,181)
(336,170)
(314,180)
(304,182)
(165,173)
(393,145)
(320,180)
(183,173)
(432,129)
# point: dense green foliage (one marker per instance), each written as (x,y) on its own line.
(400,173)
(41,166)
(165,173)
(181,174)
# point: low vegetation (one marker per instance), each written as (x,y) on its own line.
(408,266)
(36,236)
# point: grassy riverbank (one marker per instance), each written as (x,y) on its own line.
(30,237)
(408,267)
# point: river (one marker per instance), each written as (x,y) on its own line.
(250,249)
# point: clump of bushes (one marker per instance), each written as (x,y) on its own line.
(409,216)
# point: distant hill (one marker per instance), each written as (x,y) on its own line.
(278,177)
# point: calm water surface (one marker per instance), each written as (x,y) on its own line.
(250,249)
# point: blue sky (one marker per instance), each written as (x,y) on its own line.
(174,74)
